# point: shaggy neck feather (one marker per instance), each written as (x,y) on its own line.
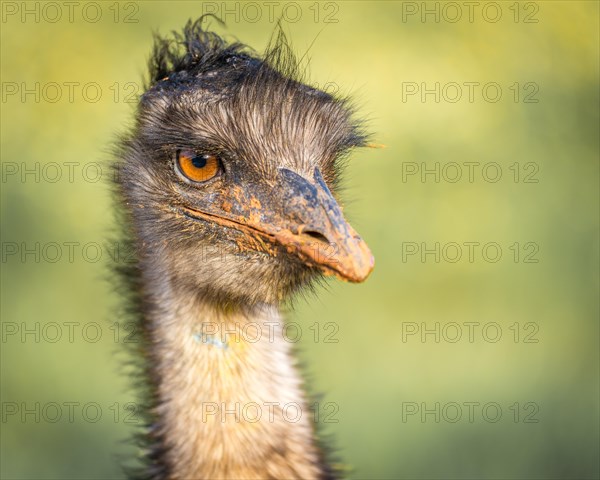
(231,400)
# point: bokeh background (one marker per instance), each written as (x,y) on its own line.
(534,391)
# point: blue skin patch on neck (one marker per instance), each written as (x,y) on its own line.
(210,340)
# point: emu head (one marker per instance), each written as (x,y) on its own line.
(229,172)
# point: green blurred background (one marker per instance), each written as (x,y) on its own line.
(542,294)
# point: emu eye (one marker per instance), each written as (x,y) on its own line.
(197,168)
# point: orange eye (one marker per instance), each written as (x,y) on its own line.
(197,168)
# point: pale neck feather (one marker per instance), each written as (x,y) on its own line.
(231,401)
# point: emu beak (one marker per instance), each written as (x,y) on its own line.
(298,214)
(317,230)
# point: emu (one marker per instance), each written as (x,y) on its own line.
(226,186)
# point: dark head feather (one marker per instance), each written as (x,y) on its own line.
(198,60)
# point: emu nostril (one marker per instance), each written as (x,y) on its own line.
(316,235)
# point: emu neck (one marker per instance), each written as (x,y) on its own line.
(231,400)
